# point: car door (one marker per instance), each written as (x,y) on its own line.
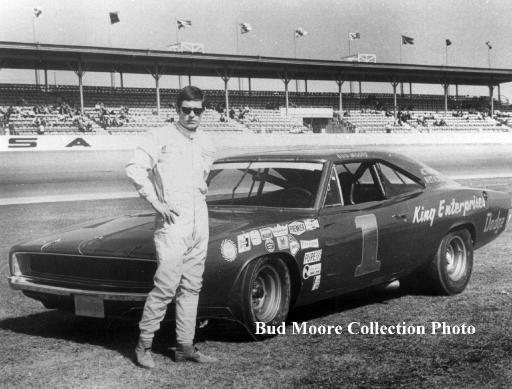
(364,233)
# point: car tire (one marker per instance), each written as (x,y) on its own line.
(264,294)
(450,270)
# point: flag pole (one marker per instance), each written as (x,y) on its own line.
(177,32)
(238,53)
(178,43)
(348,35)
(295,44)
(34,40)
(236,33)
(446,55)
(401,44)
(489,56)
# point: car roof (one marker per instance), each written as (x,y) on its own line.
(338,154)
(314,154)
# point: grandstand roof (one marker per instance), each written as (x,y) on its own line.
(102,59)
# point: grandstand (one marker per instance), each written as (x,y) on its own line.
(132,110)
(47,109)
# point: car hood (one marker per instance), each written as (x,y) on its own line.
(132,236)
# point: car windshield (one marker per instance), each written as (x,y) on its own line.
(264,184)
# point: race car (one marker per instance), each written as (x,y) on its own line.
(286,230)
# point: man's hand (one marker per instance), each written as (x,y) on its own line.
(168,212)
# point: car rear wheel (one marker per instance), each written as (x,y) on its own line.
(450,270)
(265,294)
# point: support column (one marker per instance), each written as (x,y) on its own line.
(445,87)
(250,90)
(156,75)
(410,90)
(360,92)
(79,71)
(394,84)
(189,79)
(286,80)
(46,80)
(225,78)
(121,80)
(491,91)
(340,97)
(499,93)
(157,87)
(306,85)
(456,91)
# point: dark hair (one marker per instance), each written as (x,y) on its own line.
(189,93)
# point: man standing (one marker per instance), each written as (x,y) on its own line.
(169,170)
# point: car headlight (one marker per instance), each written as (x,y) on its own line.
(19,264)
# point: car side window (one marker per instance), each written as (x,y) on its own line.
(359,182)
(396,182)
(333,195)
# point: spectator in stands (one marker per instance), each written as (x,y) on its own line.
(12,129)
(232,113)
(222,117)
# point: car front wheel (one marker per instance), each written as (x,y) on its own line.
(264,295)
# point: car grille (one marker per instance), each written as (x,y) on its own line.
(96,273)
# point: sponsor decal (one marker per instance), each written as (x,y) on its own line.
(228,250)
(311,224)
(312,256)
(244,243)
(311,270)
(309,244)
(266,233)
(269,245)
(280,230)
(283,243)
(445,208)
(495,224)
(297,228)
(255,237)
(294,245)
(316,282)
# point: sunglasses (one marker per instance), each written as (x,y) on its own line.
(187,110)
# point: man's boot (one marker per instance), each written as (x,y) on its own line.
(143,354)
(190,353)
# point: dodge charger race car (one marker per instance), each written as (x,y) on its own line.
(286,229)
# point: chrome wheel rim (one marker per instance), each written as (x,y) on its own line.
(266,294)
(456,258)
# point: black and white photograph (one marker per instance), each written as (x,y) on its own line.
(255,194)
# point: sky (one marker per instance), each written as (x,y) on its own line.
(144,24)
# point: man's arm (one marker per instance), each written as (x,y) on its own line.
(138,168)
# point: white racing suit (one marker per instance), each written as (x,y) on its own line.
(172,165)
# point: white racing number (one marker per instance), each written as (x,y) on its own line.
(369,262)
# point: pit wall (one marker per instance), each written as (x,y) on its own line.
(228,141)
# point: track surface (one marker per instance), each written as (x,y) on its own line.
(61,176)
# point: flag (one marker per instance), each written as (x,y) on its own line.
(300,32)
(245,28)
(114,17)
(448,42)
(183,23)
(353,36)
(406,40)
(488,43)
(37,11)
